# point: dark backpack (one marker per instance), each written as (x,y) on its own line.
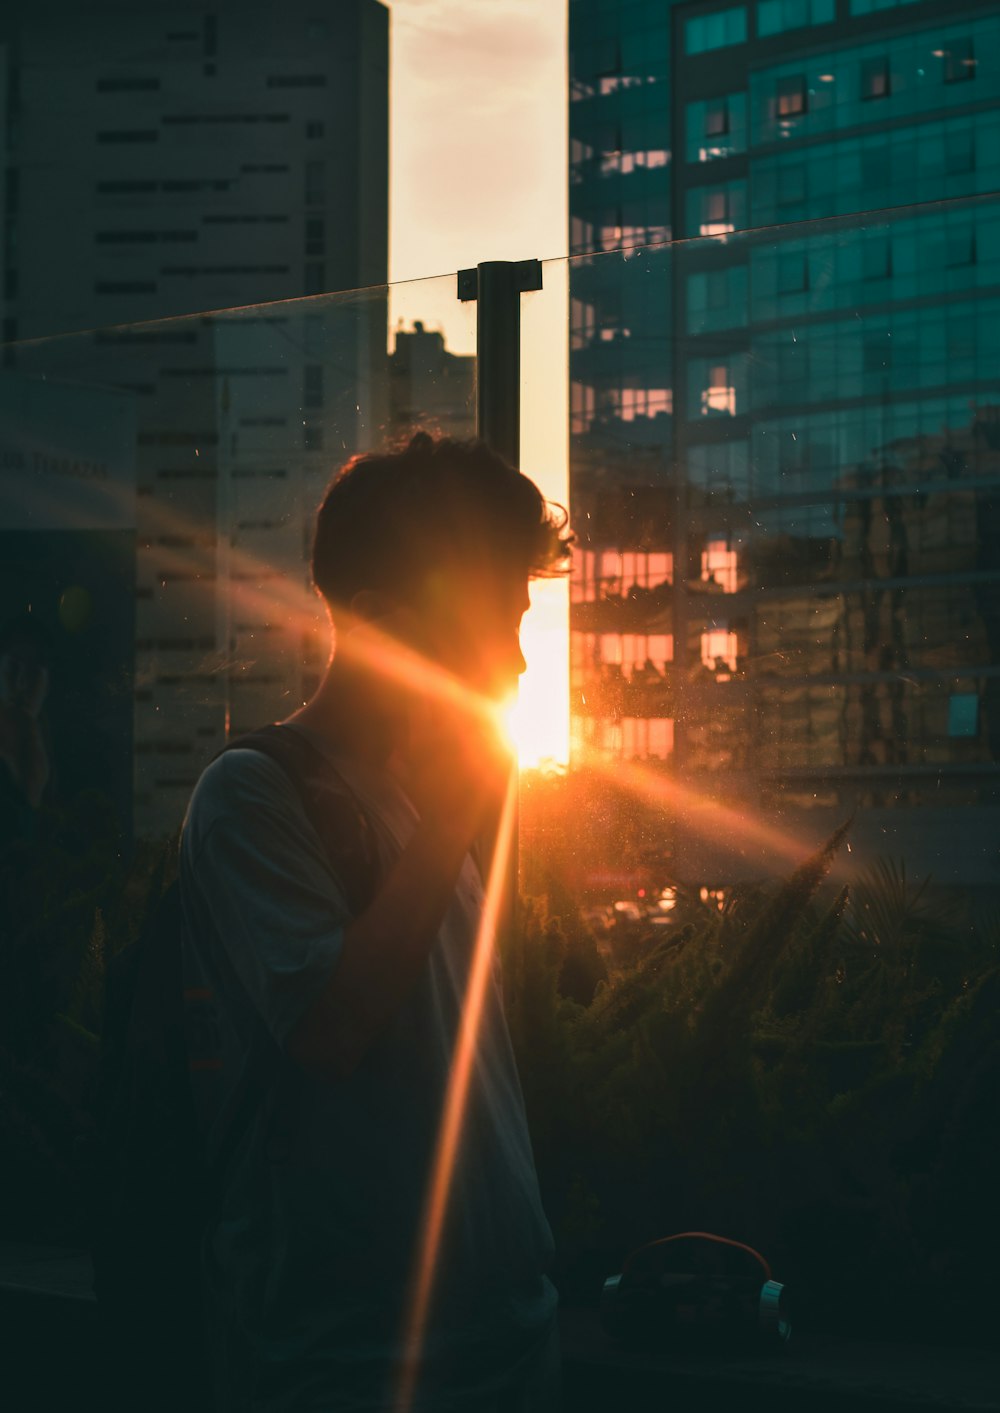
(156,1191)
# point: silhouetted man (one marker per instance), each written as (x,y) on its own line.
(423,558)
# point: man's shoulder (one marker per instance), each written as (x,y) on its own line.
(237,785)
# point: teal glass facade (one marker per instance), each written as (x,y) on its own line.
(816,468)
(717,29)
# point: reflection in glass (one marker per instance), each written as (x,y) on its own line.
(158,484)
(788,580)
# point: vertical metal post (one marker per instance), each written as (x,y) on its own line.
(497,286)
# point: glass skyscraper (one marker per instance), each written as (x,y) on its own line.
(786,413)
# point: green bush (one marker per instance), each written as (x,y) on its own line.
(812,1071)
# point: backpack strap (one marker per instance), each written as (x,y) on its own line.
(330,805)
(343,827)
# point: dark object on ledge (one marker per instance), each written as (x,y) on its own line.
(696,1289)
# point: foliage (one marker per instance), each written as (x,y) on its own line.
(815,1071)
(67,904)
(811,1069)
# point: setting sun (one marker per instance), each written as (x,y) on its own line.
(537,722)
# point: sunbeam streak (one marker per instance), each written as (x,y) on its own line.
(259,587)
(705,816)
(450,1132)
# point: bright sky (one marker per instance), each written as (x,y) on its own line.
(478,172)
(478,147)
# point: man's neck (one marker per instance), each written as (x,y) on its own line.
(350,713)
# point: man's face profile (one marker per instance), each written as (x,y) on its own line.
(473,626)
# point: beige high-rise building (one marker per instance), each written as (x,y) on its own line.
(165,160)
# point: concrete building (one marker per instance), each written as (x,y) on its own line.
(163,160)
(784,455)
(430,386)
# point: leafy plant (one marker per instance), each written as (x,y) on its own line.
(809,1070)
(812,1069)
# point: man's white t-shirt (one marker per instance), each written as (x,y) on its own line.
(308,1266)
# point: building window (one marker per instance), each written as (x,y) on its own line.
(581,235)
(141,237)
(315,129)
(706,32)
(876,165)
(315,277)
(315,235)
(297,81)
(129,135)
(315,183)
(958,62)
(630,403)
(128,85)
(960,337)
(716,127)
(869,7)
(876,353)
(717,119)
(124,287)
(791,189)
(959,151)
(717,289)
(719,650)
(790,96)
(184,119)
(793,274)
(312,437)
(192,270)
(582,407)
(610,150)
(312,336)
(875,81)
(960,247)
(312,385)
(716,210)
(716,214)
(583,320)
(876,259)
(777,16)
(963,715)
(720,563)
(720,395)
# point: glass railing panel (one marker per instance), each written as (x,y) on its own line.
(784,471)
(158,487)
(784,632)
(159,483)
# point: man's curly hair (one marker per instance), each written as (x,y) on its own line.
(391,521)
